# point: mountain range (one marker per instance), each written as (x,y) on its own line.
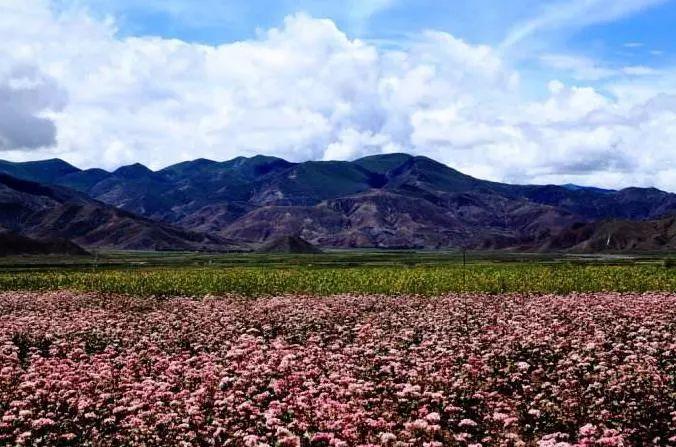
(49,213)
(382,201)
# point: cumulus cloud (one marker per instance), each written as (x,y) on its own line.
(25,94)
(305,90)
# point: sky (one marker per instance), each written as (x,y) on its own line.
(525,91)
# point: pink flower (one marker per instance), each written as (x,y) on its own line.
(588,430)
(523,366)
(467,423)
(341,370)
(387,438)
(42,423)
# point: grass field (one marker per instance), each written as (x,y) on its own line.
(389,273)
(330,258)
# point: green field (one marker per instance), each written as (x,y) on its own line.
(392,273)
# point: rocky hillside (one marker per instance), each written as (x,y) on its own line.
(387,201)
(48,212)
(616,236)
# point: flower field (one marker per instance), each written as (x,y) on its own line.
(465,370)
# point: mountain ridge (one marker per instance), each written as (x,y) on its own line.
(386,201)
(30,170)
(46,212)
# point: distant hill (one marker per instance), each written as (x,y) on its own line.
(12,244)
(383,201)
(616,236)
(47,212)
(44,171)
(289,244)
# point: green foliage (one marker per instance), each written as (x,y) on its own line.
(390,280)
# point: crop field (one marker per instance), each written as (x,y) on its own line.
(429,280)
(346,370)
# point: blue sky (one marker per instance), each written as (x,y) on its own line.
(649,23)
(527,91)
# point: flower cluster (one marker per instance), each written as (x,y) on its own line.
(460,370)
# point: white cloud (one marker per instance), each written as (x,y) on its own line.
(307,91)
(351,143)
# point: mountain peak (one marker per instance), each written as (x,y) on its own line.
(383,163)
(133,171)
(43,171)
(50,162)
(201,162)
(255,160)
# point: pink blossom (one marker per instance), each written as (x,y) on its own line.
(339,371)
(467,423)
